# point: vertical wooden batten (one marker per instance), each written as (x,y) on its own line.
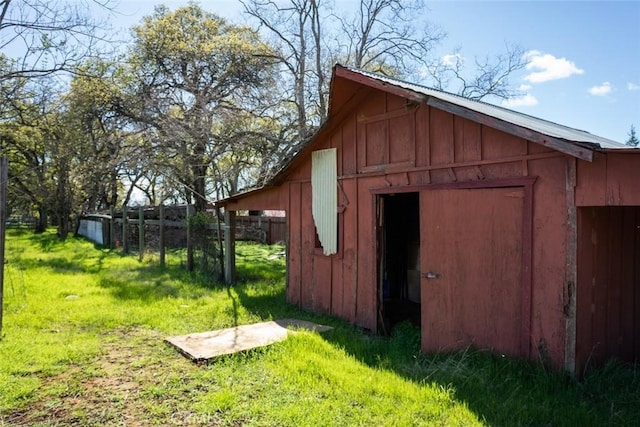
(527,267)
(570,287)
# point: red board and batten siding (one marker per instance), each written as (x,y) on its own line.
(436,149)
(450,149)
(478,294)
(610,180)
(349,243)
(386,144)
(294,245)
(608,260)
(308,299)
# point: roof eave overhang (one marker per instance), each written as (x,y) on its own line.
(630,150)
(561,145)
(584,152)
(340,71)
(235,197)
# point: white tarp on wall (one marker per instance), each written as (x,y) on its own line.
(324,189)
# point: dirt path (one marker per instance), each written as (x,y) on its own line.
(138,380)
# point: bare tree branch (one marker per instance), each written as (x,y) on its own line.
(489,78)
(50,36)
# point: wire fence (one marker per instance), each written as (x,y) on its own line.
(156,229)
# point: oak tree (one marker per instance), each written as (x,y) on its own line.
(190,69)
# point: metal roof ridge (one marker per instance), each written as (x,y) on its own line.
(463,102)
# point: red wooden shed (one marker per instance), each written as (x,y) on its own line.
(481,225)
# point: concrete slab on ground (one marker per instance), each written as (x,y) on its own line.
(203,346)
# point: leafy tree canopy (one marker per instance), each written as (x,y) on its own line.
(190,70)
(633,139)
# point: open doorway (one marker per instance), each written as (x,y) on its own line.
(608,294)
(398,260)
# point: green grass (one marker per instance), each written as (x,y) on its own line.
(83,345)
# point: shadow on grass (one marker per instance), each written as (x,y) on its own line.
(503,390)
(269,303)
(62,264)
(153,283)
(58,264)
(149,281)
(128,289)
(499,390)
(47,241)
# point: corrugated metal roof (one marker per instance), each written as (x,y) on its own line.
(520,119)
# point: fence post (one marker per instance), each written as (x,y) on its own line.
(140,233)
(112,228)
(161,235)
(229,246)
(125,230)
(220,249)
(4,176)
(269,242)
(189,239)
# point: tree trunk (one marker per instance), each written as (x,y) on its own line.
(199,198)
(199,174)
(41,222)
(63,199)
(113,190)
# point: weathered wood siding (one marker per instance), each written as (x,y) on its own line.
(386,145)
(610,180)
(476,255)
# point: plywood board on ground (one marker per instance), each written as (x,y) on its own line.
(203,346)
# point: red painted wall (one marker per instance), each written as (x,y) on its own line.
(386,144)
(610,180)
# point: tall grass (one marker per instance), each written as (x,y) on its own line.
(83,345)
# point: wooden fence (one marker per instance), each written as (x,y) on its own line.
(134,228)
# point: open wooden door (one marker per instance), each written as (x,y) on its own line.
(471,265)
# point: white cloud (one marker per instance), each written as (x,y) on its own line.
(604,89)
(527,100)
(633,86)
(525,88)
(451,59)
(546,67)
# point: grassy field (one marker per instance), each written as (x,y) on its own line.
(83,345)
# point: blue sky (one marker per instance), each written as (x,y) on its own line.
(585,55)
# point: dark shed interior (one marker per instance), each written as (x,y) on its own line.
(608,306)
(399,259)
